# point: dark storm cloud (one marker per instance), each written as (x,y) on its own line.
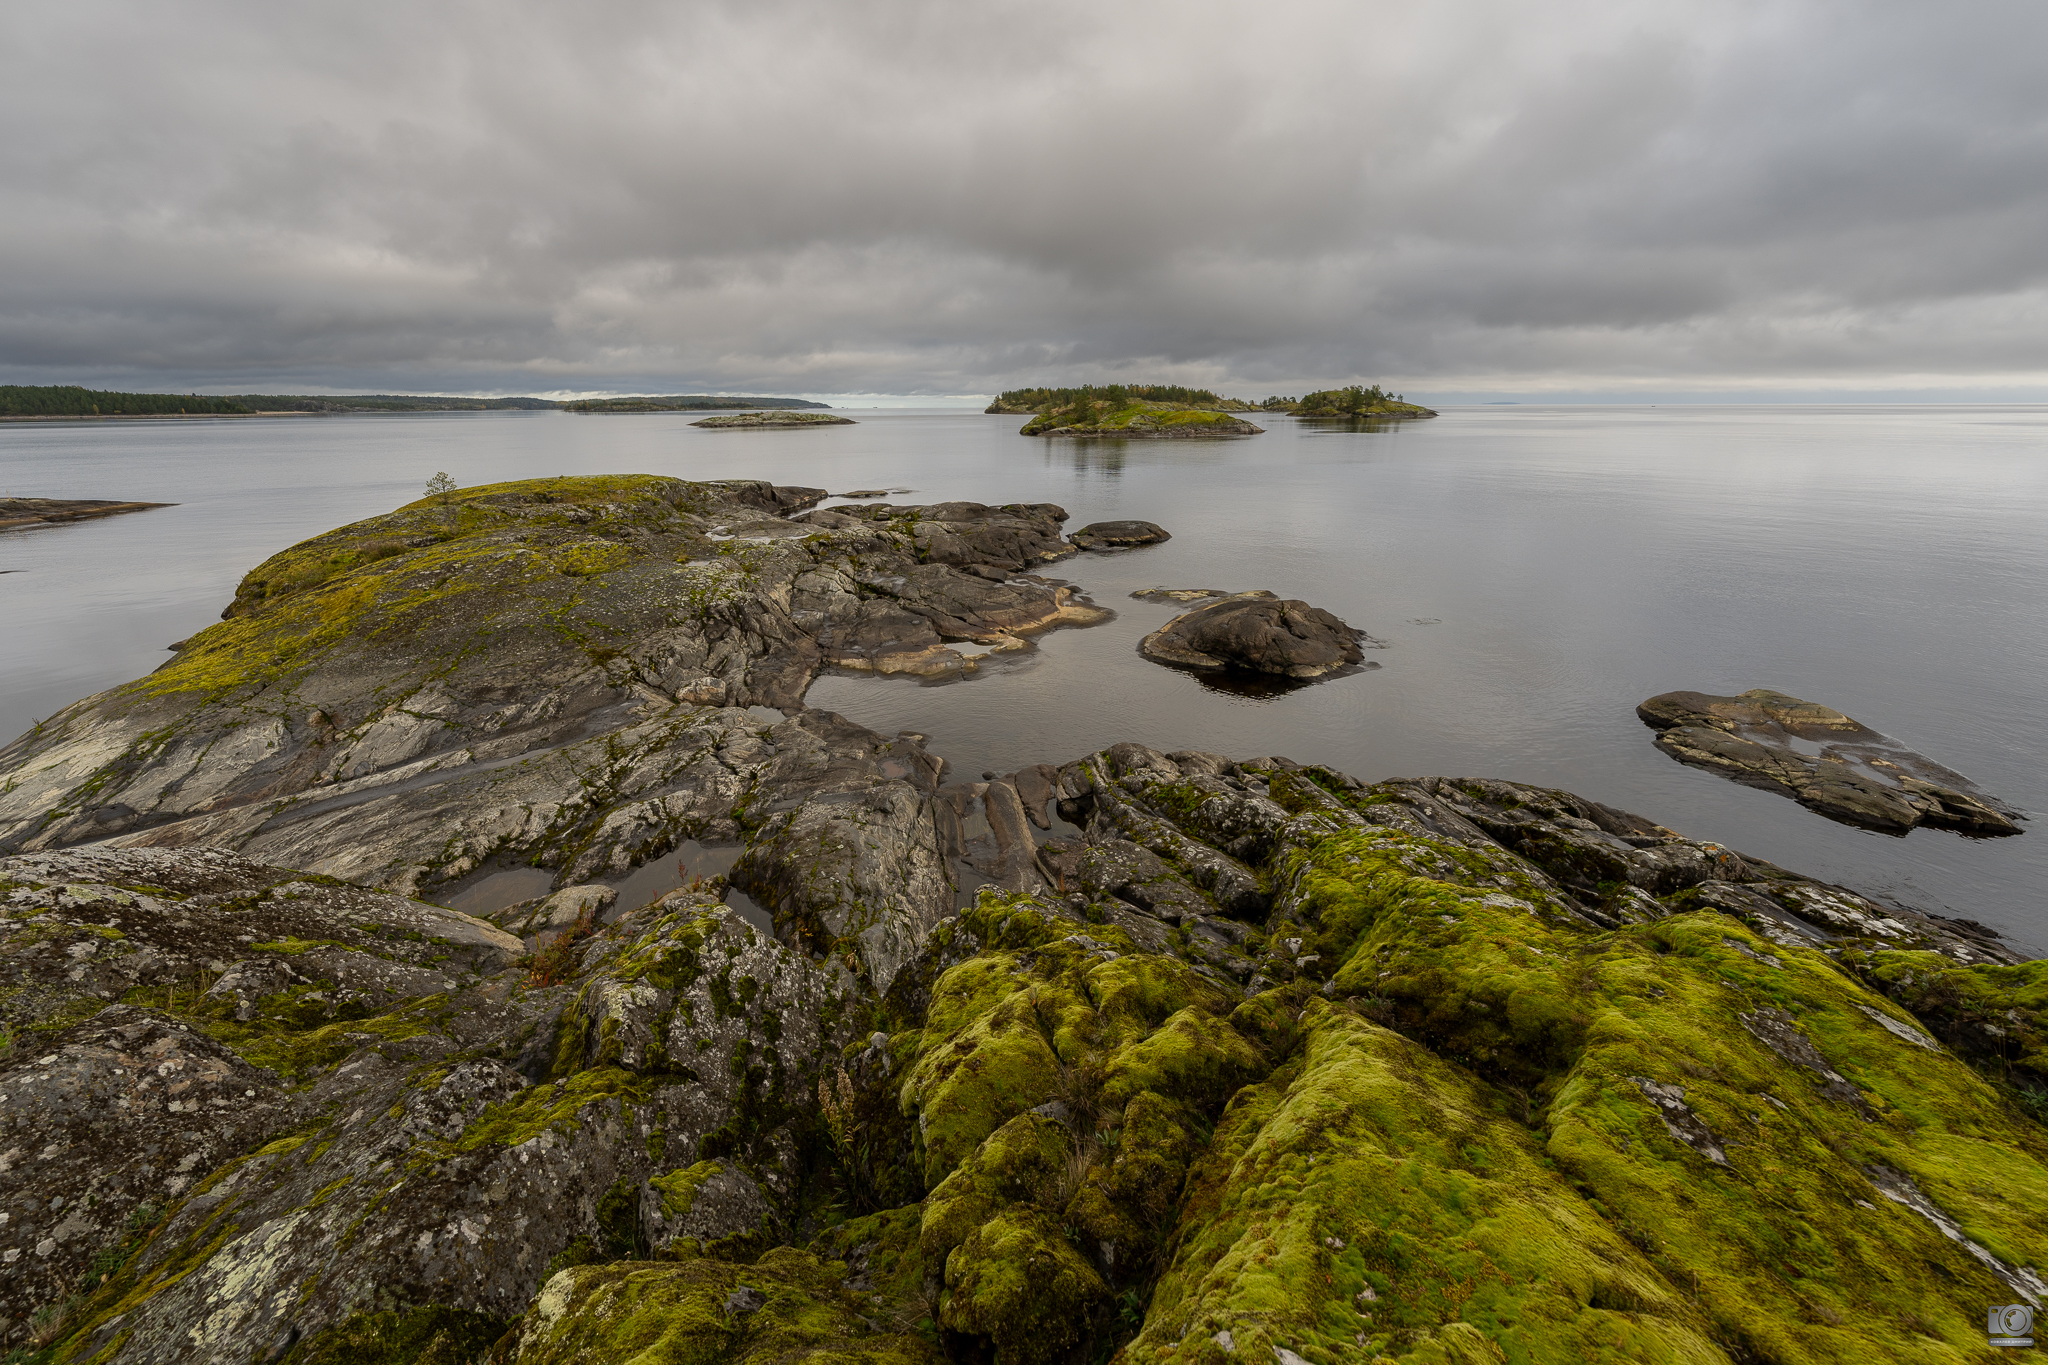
(923,197)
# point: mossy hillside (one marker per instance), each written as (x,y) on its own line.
(1991,1014)
(1059,1083)
(1566,1020)
(432,1335)
(1368,1199)
(487,563)
(1005,1030)
(882,1250)
(788,1308)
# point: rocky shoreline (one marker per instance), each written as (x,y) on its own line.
(1138,1056)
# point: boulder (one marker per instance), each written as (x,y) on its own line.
(1822,759)
(1257,632)
(1118,535)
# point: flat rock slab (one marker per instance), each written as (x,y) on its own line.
(1179,594)
(1118,535)
(1256,632)
(18,514)
(775,419)
(1822,759)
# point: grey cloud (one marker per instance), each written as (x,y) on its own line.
(909,196)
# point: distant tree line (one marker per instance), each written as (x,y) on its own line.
(69,400)
(385,402)
(681,402)
(1119,395)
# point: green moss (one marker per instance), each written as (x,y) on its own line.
(676,1314)
(431,1335)
(557,1106)
(678,1189)
(1019,1282)
(279,1039)
(470,564)
(294,946)
(886,1248)
(1445,1212)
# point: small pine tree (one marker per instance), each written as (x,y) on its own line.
(440,487)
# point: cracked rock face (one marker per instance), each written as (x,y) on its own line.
(1858,776)
(246,1166)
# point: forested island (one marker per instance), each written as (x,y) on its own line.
(1171,410)
(1358,400)
(1021,401)
(1126,410)
(685,402)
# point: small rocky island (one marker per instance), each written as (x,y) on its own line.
(1349,404)
(781,417)
(1253,632)
(1135,412)
(1119,535)
(19,514)
(1139,1056)
(1845,771)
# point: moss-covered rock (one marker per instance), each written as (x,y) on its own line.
(788,1308)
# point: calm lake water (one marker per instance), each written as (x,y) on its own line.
(1535,572)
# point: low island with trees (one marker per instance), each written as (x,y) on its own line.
(1140,411)
(685,402)
(773,417)
(1355,401)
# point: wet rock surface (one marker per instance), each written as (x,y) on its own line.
(1822,759)
(1257,632)
(1146,1056)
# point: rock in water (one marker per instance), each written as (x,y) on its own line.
(1118,535)
(1859,777)
(1259,633)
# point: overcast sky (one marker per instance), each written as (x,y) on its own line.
(948,197)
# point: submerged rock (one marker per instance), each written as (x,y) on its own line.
(1259,633)
(1857,776)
